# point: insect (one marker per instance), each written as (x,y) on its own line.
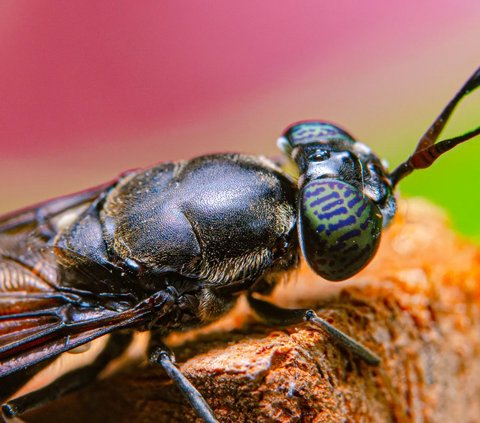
(172,246)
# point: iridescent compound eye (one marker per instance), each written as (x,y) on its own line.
(339,228)
(313,131)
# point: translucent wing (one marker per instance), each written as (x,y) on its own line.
(38,319)
(30,337)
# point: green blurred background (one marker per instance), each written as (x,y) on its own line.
(88,90)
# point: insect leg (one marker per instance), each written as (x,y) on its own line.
(161,355)
(277,316)
(71,381)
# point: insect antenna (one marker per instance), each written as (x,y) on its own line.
(427,151)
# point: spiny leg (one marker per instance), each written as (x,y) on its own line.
(71,381)
(160,354)
(277,316)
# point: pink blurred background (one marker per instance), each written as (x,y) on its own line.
(91,88)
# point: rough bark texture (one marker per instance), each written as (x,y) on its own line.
(417,306)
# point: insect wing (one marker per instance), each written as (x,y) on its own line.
(37,320)
(27,344)
(29,218)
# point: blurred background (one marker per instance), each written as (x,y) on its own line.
(91,88)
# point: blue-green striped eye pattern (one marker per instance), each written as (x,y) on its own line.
(339,228)
(307,132)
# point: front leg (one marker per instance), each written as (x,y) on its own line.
(160,354)
(277,316)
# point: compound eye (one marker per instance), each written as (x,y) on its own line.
(339,228)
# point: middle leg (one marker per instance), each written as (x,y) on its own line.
(277,316)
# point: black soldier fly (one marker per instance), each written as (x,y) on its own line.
(170,247)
